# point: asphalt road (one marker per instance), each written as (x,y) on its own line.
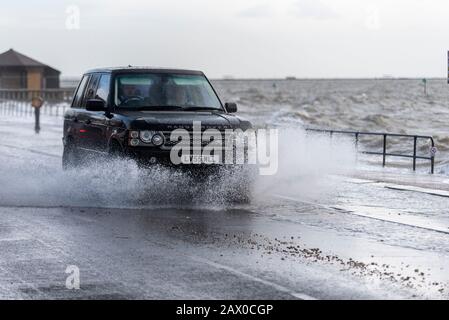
(360,237)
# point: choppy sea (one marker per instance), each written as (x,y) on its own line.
(377,105)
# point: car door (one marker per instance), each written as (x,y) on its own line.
(72,126)
(85,117)
(97,126)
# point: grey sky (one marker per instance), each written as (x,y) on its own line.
(242,38)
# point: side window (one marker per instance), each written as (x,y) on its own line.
(79,93)
(103,88)
(91,88)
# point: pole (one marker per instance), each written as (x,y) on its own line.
(36,103)
(37,124)
(414,152)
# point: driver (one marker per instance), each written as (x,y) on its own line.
(126,92)
(129,90)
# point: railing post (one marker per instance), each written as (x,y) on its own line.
(432,155)
(37,124)
(432,164)
(415,138)
(384,152)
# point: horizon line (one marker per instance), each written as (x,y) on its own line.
(293,78)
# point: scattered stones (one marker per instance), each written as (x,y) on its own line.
(292,250)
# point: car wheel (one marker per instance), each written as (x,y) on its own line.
(242,193)
(115,151)
(70,156)
(242,190)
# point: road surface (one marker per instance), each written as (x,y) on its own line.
(366,234)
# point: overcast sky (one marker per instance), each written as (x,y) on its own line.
(242,38)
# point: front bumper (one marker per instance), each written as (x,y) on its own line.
(155,156)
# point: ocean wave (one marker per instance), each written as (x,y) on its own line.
(395,106)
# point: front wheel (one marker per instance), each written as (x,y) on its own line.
(70,156)
(116,152)
(242,193)
(242,187)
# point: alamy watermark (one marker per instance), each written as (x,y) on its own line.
(72,281)
(73,18)
(233,146)
(372,20)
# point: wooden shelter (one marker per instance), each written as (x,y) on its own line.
(18,71)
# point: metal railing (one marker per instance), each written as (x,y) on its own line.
(385,153)
(24,109)
(17,102)
(50,95)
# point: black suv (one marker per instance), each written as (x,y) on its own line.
(131,112)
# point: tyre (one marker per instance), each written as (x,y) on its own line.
(241,192)
(70,156)
(115,151)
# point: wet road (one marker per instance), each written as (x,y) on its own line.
(359,235)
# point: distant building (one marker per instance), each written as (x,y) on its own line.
(18,71)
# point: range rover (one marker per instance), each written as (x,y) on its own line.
(131,112)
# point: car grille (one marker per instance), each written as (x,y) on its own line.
(170,143)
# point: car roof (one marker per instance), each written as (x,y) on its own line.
(144,69)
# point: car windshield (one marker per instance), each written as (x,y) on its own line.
(164,91)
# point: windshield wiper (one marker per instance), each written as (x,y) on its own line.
(165,107)
(169,107)
(193,108)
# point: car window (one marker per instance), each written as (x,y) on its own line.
(91,88)
(103,87)
(79,92)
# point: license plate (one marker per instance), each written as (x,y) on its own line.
(200,159)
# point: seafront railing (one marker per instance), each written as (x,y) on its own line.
(17,102)
(49,95)
(384,138)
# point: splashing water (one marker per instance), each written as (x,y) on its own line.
(118,183)
(304,163)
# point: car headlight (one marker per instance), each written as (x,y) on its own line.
(134,142)
(146,136)
(134,134)
(157,139)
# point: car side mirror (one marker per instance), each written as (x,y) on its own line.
(95,105)
(231,107)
